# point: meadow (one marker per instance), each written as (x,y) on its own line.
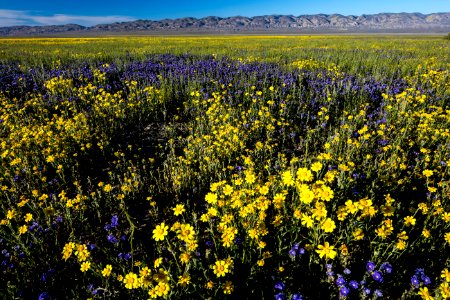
(226,167)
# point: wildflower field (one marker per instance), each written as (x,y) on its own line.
(225,167)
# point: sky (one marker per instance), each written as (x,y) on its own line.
(91,12)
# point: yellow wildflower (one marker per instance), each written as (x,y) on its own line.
(304,175)
(228,288)
(424,293)
(427,173)
(228,235)
(445,290)
(10,214)
(426,233)
(160,232)
(250,177)
(358,234)
(400,245)
(161,276)
(162,289)
(227,190)
(186,232)
(220,268)
(157,262)
(131,281)
(445,274)
(184,279)
(286,177)
(326,193)
(307,221)
(106,272)
(211,198)
(145,271)
(316,167)
(23,229)
(328,225)
(447,237)
(344,249)
(410,221)
(107,188)
(152,293)
(28,217)
(326,251)
(67,250)
(82,252)
(306,195)
(446,217)
(85,266)
(185,257)
(351,207)
(178,209)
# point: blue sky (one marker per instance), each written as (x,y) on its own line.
(84,12)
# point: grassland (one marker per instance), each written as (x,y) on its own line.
(235,167)
(355,54)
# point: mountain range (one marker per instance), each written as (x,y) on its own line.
(382,22)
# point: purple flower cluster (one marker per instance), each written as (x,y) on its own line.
(178,69)
(281,295)
(420,277)
(377,275)
(346,285)
(296,250)
(108,227)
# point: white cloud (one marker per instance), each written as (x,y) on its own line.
(12,17)
(22,17)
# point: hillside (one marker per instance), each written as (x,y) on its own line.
(383,22)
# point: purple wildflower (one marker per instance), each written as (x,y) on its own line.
(114,221)
(386,267)
(280,296)
(377,276)
(279,286)
(340,281)
(112,239)
(297,297)
(292,252)
(378,293)
(370,266)
(344,291)
(415,281)
(353,284)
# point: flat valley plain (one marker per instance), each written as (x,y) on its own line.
(225,167)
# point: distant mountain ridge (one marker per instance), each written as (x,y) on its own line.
(414,22)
